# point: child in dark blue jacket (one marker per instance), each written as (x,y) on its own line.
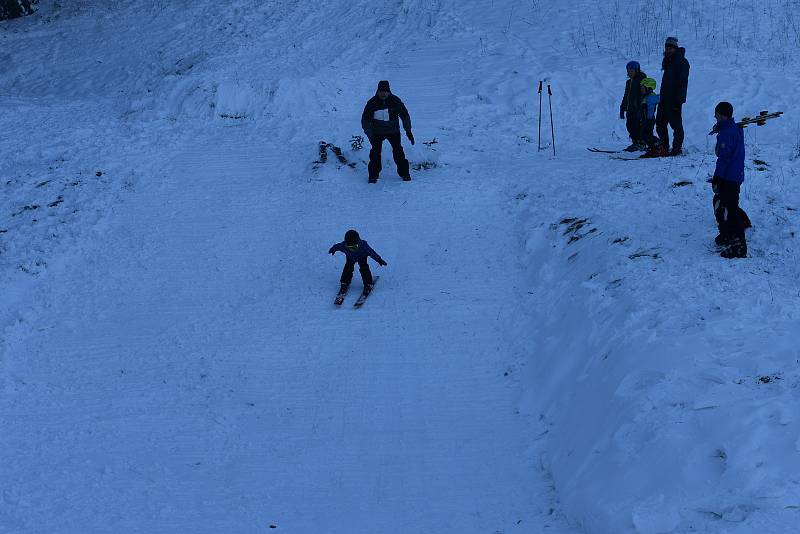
(357,251)
(726,183)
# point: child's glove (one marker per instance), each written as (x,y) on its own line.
(410,137)
(382,263)
(331,251)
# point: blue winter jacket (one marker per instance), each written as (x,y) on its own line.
(730,152)
(360,254)
(650,104)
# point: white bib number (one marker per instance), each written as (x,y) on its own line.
(381,115)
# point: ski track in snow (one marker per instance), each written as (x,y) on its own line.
(238,370)
(552,348)
(191,374)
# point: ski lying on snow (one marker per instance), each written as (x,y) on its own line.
(364,294)
(645,156)
(602,151)
(623,158)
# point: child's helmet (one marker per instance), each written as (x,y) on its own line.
(650,83)
(351,237)
(633,65)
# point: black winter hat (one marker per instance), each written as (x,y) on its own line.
(351,237)
(725,109)
(383,85)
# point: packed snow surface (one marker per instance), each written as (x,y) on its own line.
(554,346)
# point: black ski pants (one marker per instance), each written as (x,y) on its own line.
(670,115)
(646,135)
(731,219)
(397,153)
(634,125)
(363,268)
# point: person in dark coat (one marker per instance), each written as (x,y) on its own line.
(674,83)
(631,101)
(726,183)
(381,122)
(356,251)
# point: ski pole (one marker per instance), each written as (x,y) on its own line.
(552,127)
(540,114)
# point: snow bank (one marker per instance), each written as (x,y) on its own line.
(670,397)
(668,376)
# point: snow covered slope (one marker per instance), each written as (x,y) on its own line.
(552,348)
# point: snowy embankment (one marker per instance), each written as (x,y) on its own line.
(668,376)
(170,360)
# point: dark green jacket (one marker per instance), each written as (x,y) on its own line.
(633,94)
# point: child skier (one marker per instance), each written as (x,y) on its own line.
(629,108)
(357,251)
(647,111)
(726,183)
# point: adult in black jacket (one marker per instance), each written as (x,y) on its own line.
(381,121)
(674,83)
(631,103)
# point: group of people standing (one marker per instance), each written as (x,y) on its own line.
(643,109)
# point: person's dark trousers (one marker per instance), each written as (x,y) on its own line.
(670,115)
(363,268)
(729,215)
(646,134)
(397,152)
(634,127)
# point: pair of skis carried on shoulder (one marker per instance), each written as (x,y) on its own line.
(759,120)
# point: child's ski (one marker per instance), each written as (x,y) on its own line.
(364,294)
(593,149)
(623,158)
(340,296)
(644,156)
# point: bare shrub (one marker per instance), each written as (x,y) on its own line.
(637,28)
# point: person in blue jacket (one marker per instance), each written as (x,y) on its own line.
(356,250)
(726,183)
(648,105)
